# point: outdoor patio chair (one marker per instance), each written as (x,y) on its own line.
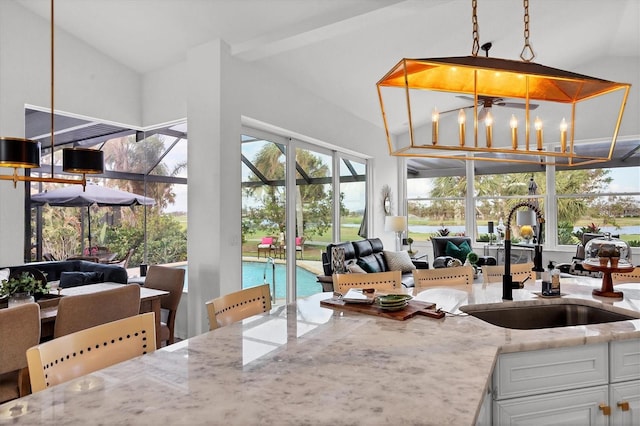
(268,245)
(239,305)
(299,248)
(124,262)
(19,330)
(83,352)
(171,280)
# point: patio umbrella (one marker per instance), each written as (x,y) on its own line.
(74,196)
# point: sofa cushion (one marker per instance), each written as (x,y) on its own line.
(74,279)
(459,252)
(354,268)
(370,264)
(398,261)
(362,248)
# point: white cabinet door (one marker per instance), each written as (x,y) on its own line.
(575,407)
(625,403)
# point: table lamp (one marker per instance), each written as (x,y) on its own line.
(397,224)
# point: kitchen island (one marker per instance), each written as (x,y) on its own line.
(305,364)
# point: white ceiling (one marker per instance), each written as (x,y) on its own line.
(339,49)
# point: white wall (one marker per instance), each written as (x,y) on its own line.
(86,83)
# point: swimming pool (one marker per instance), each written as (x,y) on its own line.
(253,274)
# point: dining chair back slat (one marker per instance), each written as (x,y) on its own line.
(85,351)
(457,275)
(390,281)
(519,271)
(19,330)
(88,310)
(171,280)
(239,305)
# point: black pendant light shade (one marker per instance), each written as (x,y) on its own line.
(83,160)
(18,152)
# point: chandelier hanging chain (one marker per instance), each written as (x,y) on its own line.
(476,35)
(527,53)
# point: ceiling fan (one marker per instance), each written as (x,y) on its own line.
(486,102)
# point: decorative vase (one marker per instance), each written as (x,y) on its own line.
(20,298)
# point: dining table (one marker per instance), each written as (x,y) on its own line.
(304,363)
(150,301)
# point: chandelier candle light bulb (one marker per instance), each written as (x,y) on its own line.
(563,135)
(538,125)
(435,116)
(513,123)
(462,118)
(488,122)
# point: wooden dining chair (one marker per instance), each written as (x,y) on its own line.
(390,281)
(458,275)
(238,305)
(19,330)
(83,352)
(626,277)
(519,271)
(171,280)
(88,310)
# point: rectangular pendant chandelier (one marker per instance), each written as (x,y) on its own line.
(491,109)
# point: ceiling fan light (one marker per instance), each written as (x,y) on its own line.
(19,153)
(83,160)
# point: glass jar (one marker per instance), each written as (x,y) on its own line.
(20,298)
(607,251)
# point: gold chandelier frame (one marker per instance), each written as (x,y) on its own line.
(479,78)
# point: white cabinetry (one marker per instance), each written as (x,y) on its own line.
(595,384)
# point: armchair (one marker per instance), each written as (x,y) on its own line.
(267,245)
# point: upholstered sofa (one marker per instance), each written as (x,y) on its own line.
(369,255)
(73,272)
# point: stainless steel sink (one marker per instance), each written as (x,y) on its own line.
(531,317)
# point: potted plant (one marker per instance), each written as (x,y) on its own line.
(23,288)
(410,241)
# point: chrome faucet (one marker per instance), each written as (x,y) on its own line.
(507,279)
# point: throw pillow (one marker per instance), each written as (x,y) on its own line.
(459,252)
(267,240)
(370,264)
(337,260)
(356,269)
(74,279)
(399,261)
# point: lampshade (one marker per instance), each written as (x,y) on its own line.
(82,160)
(525,217)
(17,152)
(395,223)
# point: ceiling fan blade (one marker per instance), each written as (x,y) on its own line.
(455,109)
(518,105)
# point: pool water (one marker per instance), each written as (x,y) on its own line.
(254,273)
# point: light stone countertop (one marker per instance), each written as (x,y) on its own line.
(303,364)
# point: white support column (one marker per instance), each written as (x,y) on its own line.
(214,244)
(469,202)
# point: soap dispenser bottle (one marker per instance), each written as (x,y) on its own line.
(546,281)
(555,280)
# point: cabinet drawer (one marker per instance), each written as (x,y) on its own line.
(550,370)
(575,407)
(625,360)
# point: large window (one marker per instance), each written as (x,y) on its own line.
(598,200)
(436,206)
